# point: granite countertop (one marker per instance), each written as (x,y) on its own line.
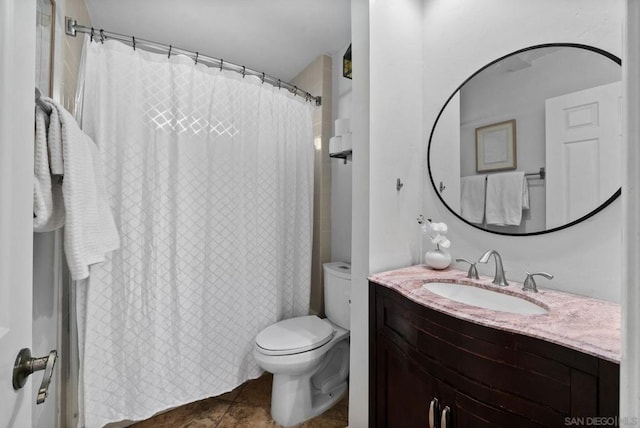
(588,325)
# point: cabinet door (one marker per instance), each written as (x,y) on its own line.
(405,390)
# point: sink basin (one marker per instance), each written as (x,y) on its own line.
(484,298)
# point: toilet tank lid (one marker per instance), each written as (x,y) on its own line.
(294,335)
(339,269)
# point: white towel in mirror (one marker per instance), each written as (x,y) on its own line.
(472,192)
(507,196)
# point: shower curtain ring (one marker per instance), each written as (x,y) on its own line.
(92,33)
(169,54)
(196,60)
(101,36)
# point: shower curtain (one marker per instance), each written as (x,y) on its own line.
(210,177)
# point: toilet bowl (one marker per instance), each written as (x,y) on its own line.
(308,355)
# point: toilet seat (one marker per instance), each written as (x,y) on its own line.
(294,335)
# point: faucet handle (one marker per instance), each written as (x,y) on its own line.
(530,283)
(473,271)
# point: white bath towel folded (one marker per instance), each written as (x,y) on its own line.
(48,206)
(90,231)
(472,197)
(507,196)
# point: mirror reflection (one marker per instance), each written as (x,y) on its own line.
(532,142)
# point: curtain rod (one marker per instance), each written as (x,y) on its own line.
(72,27)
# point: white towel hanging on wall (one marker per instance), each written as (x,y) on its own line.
(507,196)
(472,197)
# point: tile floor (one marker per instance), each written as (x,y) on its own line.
(246,406)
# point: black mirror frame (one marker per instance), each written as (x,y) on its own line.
(602,206)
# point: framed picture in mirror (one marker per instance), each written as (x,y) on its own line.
(496,147)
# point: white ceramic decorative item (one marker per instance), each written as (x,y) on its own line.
(437,259)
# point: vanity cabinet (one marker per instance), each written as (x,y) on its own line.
(486,377)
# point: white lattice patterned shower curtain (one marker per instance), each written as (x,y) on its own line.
(211,182)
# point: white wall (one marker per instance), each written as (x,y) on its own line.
(47,265)
(359,353)
(459,38)
(388,143)
(397,135)
(341,181)
(629,367)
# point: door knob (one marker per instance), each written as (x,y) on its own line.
(25,365)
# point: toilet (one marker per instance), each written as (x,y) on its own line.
(308,355)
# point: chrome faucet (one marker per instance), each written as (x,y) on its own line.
(473,271)
(530,283)
(498,278)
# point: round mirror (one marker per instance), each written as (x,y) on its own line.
(532,142)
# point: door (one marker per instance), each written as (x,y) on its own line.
(583,151)
(17,74)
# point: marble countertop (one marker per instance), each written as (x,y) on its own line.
(588,325)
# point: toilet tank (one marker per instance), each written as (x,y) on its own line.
(337,293)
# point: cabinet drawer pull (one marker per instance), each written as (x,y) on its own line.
(434,409)
(444,419)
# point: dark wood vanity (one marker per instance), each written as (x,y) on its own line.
(479,376)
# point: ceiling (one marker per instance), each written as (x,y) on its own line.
(278,37)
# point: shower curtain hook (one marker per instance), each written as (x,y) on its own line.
(279,85)
(196,63)
(295,90)
(221,62)
(92,32)
(306,97)
(169,54)
(263,75)
(101,36)
(133,39)
(243,71)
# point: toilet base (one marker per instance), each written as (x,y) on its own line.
(297,398)
(304,404)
